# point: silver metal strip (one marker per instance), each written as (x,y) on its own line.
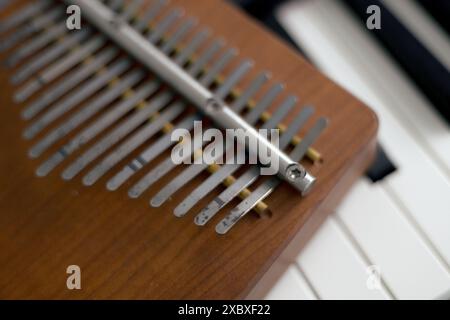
(35,25)
(192,171)
(167,165)
(117,134)
(49,55)
(70,81)
(87,112)
(108,119)
(178,35)
(198,39)
(250,175)
(193,91)
(153,151)
(37,43)
(232,80)
(76,97)
(98,126)
(23,15)
(59,67)
(196,67)
(151,14)
(269,186)
(216,178)
(133,142)
(249,92)
(56,51)
(165,24)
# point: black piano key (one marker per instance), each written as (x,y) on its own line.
(428,73)
(440,10)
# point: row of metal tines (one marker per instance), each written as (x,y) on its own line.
(107,101)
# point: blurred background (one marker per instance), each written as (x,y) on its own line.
(390,238)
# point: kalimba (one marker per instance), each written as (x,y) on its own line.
(87,173)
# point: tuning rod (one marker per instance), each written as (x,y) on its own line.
(144,51)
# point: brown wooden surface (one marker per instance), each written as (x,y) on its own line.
(128,250)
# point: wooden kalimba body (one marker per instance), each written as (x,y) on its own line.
(86,124)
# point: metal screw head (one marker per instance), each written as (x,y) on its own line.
(213,105)
(294,172)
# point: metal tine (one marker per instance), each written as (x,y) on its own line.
(269,186)
(116,112)
(37,24)
(151,14)
(128,126)
(88,111)
(4,4)
(76,97)
(164,25)
(285,107)
(36,43)
(58,68)
(208,79)
(23,15)
(168,164)
(228,169)
(54,52)
(178,35)
(250,175)
(233,79)
(49,55)
(255,113)
(192,171)
(157,103)
(131,10)
(142,135)
(196,67)
(69,82)
(187,52)
(165,142)
(154,150)
(116,135)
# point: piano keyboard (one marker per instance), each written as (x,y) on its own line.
(399,226)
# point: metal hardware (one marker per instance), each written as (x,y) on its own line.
(132,41)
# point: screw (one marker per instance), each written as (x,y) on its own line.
(294,172)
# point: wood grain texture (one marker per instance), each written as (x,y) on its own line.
(127,249)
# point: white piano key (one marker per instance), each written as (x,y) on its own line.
(334,268)
(375,68)
(389,241)
(420,187)
(282,282)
